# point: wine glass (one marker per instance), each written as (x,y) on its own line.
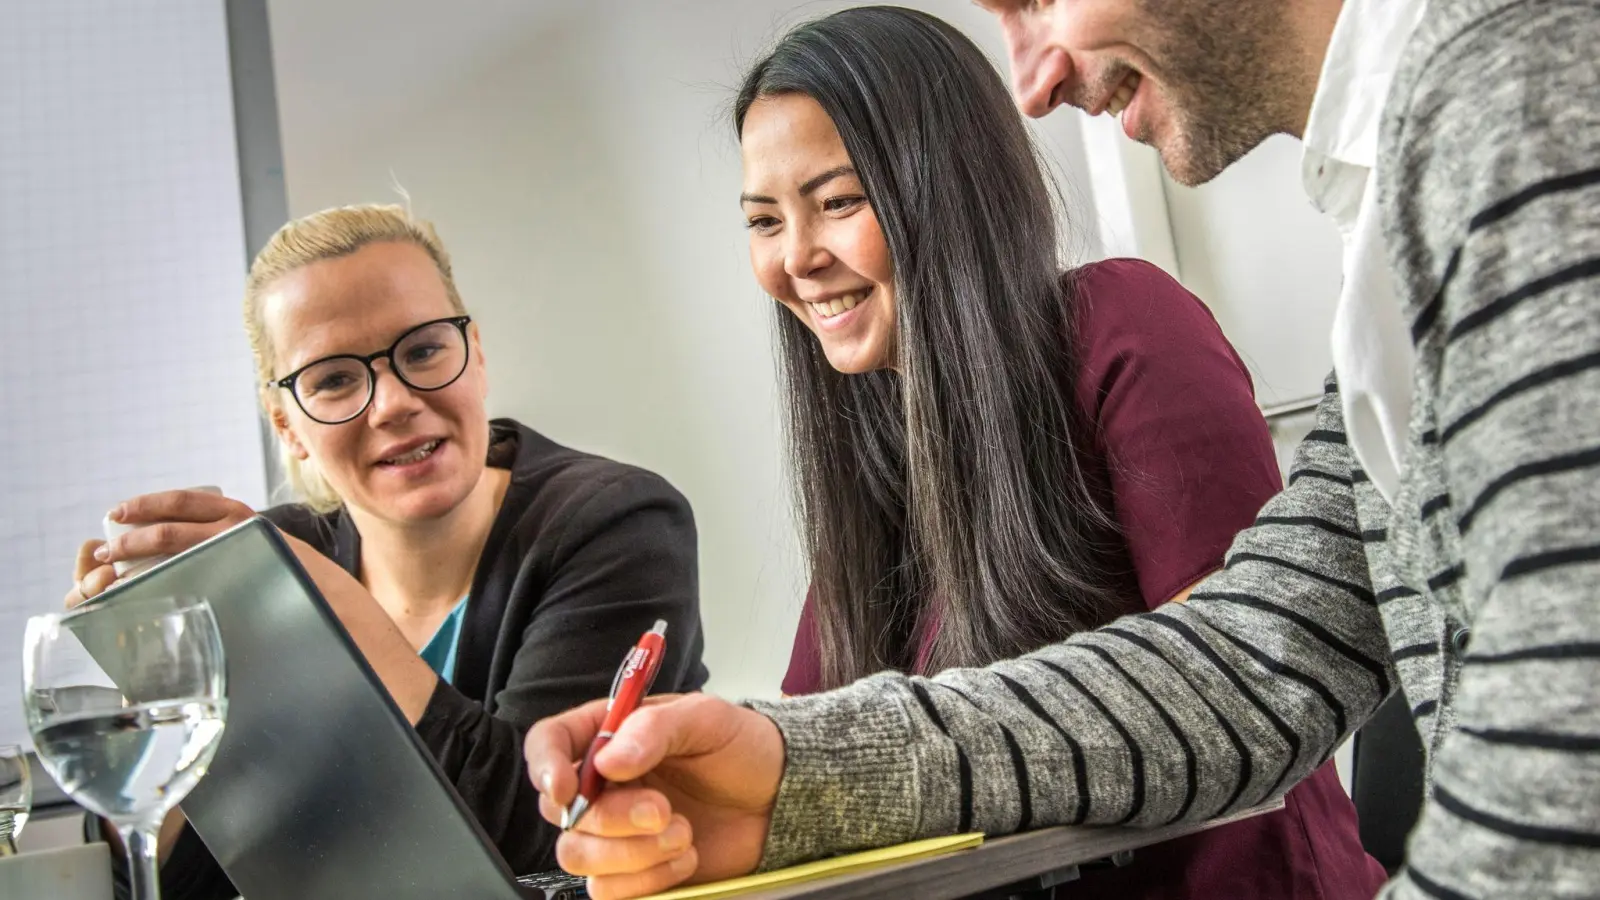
(16,796)
(126,702)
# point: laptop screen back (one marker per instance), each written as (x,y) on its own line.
(320,790)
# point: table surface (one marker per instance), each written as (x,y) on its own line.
(995,864)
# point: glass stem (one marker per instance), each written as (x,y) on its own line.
(8,843)
(144,874)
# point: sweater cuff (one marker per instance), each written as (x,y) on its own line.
(447,708)
(849,776)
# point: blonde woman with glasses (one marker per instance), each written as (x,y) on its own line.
(489,575)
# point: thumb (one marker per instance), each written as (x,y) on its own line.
(86,561)
(687,725)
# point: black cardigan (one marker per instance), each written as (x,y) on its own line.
(584,555)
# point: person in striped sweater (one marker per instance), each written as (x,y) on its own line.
(1440,533)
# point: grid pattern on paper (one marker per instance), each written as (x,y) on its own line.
(125,367)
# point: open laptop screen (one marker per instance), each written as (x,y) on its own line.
(320,788)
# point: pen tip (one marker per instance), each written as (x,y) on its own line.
(571,815)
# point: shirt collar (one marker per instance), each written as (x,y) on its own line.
(1341,136)
(1363,54)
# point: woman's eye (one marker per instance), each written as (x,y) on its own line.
(421,353)
(761,224)
(330,383)
(844,204)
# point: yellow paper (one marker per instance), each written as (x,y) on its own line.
(825,868)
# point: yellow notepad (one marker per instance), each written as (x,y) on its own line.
(825,868)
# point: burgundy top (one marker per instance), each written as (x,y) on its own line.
(1187,462)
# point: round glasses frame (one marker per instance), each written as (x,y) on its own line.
(288,381)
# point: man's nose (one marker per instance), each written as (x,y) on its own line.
(1038,71)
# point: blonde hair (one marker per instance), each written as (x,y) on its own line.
(328,234)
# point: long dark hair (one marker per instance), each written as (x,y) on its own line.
(955,486)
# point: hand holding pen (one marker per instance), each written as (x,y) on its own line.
(690,781)
(628,690)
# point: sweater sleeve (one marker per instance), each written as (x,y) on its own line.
(626,558)
(1179,714)
(1496,202)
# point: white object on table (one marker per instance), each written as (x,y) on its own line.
(132,567)
(82,872)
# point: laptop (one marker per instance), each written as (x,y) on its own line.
(320,789)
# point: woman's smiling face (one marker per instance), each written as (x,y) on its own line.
(815,243)
(412,455)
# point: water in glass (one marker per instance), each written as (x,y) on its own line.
(119,764)
(126,702)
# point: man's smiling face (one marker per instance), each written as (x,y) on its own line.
(1202,81)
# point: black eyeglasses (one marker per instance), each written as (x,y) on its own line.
(336,389)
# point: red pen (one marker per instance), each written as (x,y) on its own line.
(628,690)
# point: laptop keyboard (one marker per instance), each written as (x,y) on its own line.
(556,885)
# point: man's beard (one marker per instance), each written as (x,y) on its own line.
(1227,78)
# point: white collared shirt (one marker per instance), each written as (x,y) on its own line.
(1372,350)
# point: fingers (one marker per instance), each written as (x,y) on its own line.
(621,811)
(90,585)
(629,843)
(160,539)
(588,854)
(625,811)
(179,506)
(553,749)
(550,809)
(169,522)
(95,583)
(86,561)
(652,881)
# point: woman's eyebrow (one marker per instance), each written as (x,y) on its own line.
(809,187)
(818,181)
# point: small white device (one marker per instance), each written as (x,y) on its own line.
(132,567)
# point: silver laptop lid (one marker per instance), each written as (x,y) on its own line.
(320,790)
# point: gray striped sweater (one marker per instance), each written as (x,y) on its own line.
(1476,593)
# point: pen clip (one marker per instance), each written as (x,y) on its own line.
(616,680)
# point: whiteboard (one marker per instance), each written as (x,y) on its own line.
(125,367)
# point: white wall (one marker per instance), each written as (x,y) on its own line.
(578,162)
(1251,245)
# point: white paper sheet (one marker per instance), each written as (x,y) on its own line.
(123,362)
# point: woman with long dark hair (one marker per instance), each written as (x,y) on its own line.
(989,454)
